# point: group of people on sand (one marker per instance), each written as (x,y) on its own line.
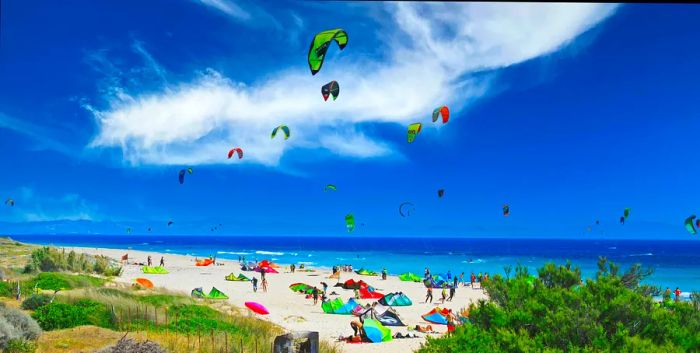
(344,268)
(263,282)
(150,261)
(676,293)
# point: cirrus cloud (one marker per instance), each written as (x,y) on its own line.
(437,51)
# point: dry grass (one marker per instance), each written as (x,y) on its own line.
(77,339)
(14,255)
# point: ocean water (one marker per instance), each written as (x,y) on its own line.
(676,263)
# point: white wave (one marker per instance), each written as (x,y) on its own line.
(168,250)
(233,252)
(262,252)
(477,261)
(613,248)
(645,254)
(307,262)
(145,244)
(294,254)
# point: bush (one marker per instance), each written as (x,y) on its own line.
(6,289)
(36,301)
(16,325)
(61,281)
(20,346)
(556,314)
(49,259)
(57,316)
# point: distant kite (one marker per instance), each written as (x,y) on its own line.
(413,131)
(235,150)
(441,111)
(350,222)
(331,89)
(284,129)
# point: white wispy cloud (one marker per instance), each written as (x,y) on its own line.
(434,54)
(31,206)
(228,7)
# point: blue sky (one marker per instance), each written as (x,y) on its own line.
(568,113)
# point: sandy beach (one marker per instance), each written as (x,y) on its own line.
(288,309)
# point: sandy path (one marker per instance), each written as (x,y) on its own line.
(287,309)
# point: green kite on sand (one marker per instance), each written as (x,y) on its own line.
(154,270)
(213,294)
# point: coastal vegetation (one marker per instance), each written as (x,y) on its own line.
(557,312)
(67,307)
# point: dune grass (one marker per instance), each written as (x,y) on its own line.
(77,339)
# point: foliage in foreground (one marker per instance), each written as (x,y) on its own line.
(555,313)
(17,331)
(57,316)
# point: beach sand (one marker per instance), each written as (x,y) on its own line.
(291,310)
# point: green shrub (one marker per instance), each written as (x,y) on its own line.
(20,346)
(84,312)
(62,281)
(49,259)
(36,301)
(6,289)
(556,314)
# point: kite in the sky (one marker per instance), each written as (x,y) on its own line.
(441,111)
(235,150)
(406,208)
(330,89)
(413,131)
(690,225)
(10,202)
(170,223)
(128,230)
(284,129)
(181,174)
(441,193)
(319,46)
(350,222)
(625,214)
(330,187)
(506,210)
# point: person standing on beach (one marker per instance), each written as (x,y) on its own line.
(357,293)
(149,261)
(472,279)
(262,273)
(452,292)
(444,293)
(429,295)
(264,285)
(455,283)
(325,286)
(677,292)
(384,274)
(667,294)
(255,284)
(314,293)
(461,278)
(162,262)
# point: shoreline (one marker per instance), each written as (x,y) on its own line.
(287,309)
